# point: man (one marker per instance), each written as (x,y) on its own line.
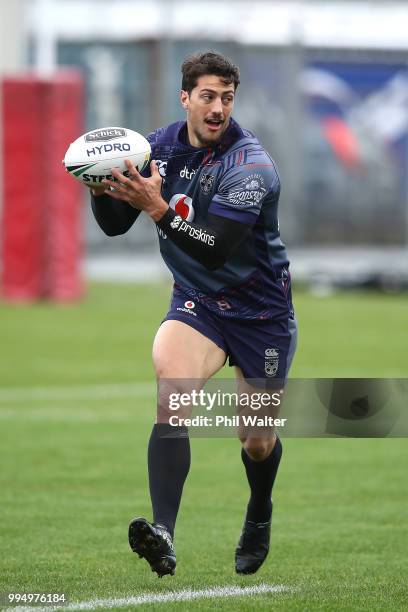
(213,194)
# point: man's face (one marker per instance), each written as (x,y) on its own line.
(209,107)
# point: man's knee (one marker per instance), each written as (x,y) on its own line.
(172,399)
(258,449)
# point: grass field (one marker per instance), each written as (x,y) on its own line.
(76,406)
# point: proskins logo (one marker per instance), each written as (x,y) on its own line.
(176,222)
(197,233)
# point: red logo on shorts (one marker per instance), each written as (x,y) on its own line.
(183,206)
(189,305)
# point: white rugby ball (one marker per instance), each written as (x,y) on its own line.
(92,156)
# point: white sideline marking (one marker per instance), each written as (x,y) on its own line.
(67,392)
(70,415)
(185,595)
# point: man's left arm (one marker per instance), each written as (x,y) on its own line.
(210,244)
(234,209)
(232,212)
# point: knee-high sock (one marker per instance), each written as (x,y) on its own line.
(168,464)
(261,476)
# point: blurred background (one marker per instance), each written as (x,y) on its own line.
(324,87)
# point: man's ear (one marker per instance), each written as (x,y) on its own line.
(184,99)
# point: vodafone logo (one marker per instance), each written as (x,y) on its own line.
(188,308)
(183,206)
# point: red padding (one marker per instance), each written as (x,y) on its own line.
(64,102)
(42,234)
(23,193)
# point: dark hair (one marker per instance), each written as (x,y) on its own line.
(208,62)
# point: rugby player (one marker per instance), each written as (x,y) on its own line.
(213,192)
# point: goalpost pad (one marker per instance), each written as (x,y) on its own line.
(41,218)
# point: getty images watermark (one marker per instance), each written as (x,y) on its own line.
(247,404)
(353,407)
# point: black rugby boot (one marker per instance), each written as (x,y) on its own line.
(154,543)
(253,547)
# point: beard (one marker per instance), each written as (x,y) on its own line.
(211,139)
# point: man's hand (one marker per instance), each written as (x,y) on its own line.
(141,193)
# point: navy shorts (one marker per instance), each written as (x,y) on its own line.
(261,348)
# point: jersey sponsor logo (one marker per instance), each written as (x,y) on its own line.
(176,222)
(107,148)
(224,305)
(187,174)
(271,361)
(104,135)
(197,233)
(250,193)
(188,307)
(207,182)
(161,166)
(183,206)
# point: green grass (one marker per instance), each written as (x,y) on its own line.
(73,466)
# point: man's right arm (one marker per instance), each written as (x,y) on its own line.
(114,217)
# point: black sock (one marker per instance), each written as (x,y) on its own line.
(261,476)
(168,464)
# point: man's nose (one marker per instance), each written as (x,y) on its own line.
(216,107)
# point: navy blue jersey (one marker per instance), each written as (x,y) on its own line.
(238,180)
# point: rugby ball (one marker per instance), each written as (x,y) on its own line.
(91,157)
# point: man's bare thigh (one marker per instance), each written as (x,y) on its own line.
(180,351)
